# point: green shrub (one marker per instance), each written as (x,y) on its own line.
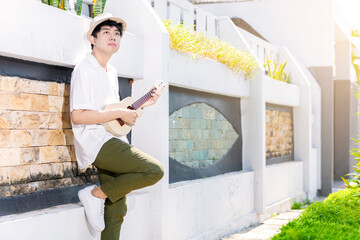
(300,205)
(98,5)
(296,205)
(338,217)
(62,4)
(97,8)
(354,56)
(354,181)
(186,40)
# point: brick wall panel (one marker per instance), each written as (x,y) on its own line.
(56,137)
(69,137)
(53,88)
(36,140)
(54,154)
(66,91)
(29,155)
(20,138)
(4,179)
(8,84)
(31,120)
(18,174)
(5,100)
(64,153)
(31,86)
(23,101)
(5,191)
(279,133)
(39,137)
(23,188)
(58,104)
(48,154)
(46,171)
(65,121)
(9,157)
(38,87)
(5,136)
(29,102)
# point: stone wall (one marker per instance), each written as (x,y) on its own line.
(36,140)
(199,135)
(279,133)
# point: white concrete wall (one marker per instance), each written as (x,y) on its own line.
(342,45)
(254,136)
(302,118)
(305,27)
(49,35)
(343,64)
(212,207)
(284,180)
(315,174)
(68,222)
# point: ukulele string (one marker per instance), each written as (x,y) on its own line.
(142,100)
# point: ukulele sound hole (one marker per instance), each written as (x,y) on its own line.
(121,122)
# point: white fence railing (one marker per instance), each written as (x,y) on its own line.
(181,11)
(261,48)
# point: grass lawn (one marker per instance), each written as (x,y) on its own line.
(337,217)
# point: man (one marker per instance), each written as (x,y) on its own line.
(122,168)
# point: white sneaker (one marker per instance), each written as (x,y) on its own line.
(94,208)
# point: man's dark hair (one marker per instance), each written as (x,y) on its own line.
(107,23)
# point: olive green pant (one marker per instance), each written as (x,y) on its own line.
(122,168)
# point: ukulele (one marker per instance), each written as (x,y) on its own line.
(118,127)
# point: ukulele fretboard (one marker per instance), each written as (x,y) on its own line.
(142,100)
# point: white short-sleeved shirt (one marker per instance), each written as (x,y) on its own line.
(92,88)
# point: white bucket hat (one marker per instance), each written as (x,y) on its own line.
(102,18)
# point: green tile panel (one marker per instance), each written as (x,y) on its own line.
(199,135)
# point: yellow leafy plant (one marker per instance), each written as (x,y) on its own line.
(275,72)
(186,40)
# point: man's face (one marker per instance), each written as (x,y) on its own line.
(108,40)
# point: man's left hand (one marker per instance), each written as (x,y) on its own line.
(154,97)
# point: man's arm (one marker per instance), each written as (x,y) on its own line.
(81,116)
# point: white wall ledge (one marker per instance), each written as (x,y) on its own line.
(281,93)
(204,180)
(52,36)
(207,75)
(50,223)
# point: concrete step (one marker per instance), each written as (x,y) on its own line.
(268,229)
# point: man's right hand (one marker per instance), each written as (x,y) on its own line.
(129,116)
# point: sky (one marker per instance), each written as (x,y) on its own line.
(351,11)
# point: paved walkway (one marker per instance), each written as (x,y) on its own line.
(266,230)
(272,226)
